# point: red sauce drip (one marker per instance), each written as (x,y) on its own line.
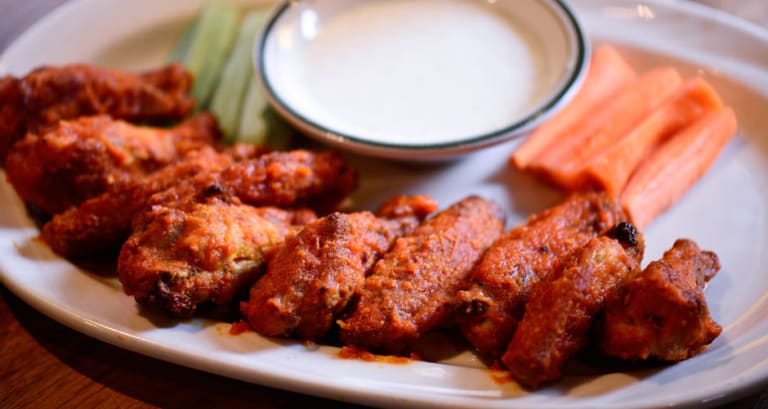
(239,327)
(349,352)
(499,375)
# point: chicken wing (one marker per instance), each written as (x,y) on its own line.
(49,94)
(88,156)
(561,309)
(412,286)
(103,222)
(274,179)
(312,276)
(489,310)
(207,250)
(662,313)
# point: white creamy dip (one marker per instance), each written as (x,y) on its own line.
(410,71)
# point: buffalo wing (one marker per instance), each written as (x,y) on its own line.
(489,310)
(85,157)
(561,309)
(412,287)
(662,313)
(47,95)
(313,275)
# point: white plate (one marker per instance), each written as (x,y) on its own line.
(725,212)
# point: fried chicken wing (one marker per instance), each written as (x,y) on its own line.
(412,286)
(85,157)
(662,312)
(561,309)
(207,250)
(489,310)
(47,95)
(103,222)
(274,179)
(296,178)
(313,275)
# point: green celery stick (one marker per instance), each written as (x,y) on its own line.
(260,124)
(280,135)
(229,94)
(181,49)
(253,126)
(210,45)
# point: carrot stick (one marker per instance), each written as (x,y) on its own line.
(611,169)
(563,162)
(675,166)
(608,73)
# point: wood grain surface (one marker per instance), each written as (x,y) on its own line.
(46,365)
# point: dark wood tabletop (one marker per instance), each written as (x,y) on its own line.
(45,364)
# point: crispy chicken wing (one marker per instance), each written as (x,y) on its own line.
(103,222)
(85,157)
(489,310)
(313,275)
(47,95)
(275,179)
(662,313)
(561,309)
(412,286)
(209,249)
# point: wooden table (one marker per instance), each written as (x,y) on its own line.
(44,364)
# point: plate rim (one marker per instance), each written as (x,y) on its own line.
(135,343)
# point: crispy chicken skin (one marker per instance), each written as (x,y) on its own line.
(489,310)
(47,95)
(85,157)
(662,313)
(277,179)
(412,286)
(209,249)
(295,178)
(561,309)
(313,275)
(103,222)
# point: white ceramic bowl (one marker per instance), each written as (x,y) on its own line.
(420,79)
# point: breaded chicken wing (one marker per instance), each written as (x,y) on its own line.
(320,181)
(47,95)
(412,287)
(102,223)
(207,250)
(275,179)
(561,309)
(313,275)
(662,312)
(489,310)
(85,157)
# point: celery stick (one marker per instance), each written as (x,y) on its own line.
(253,126)
(181,49)
(209,48)
(280,135)
(229,94)
(260,124)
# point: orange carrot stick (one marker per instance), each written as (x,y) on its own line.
(563,162)
(670,170)
(607,74)
(611,169)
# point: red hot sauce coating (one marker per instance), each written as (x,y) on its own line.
(85,157)
(412,287)
(313,275)
(489,310)
(50,94)
(560,311)
(662,312)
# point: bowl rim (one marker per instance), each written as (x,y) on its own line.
(564,93)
